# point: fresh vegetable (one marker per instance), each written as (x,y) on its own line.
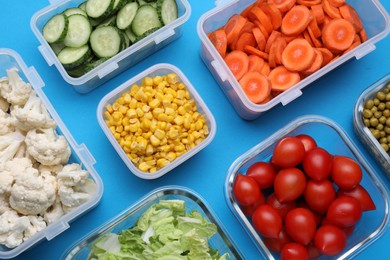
(263,173)
(288,152)
(294,251)
(330,240)
(164,231)
(267,221)
(317,163)
(294,39)
(246,191)
(38,184)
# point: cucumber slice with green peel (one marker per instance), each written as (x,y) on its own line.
(56,28)
(106,41)
(110,21)
(99,8)
(145,34)
(143,2)
(79,30)
(126,15)
(132,37)
(118,4)
(71,57)
(82,6)
(126,41)
(57,47)
(145,19)
(75,10)
(167,10)
(90,66)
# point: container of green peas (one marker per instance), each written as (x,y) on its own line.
(372,121)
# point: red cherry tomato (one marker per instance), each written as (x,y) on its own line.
(317,216)
(288,152)
(308,142)
(347,230)
(250,209)
(294,251)
(300,225)
(276,244)
(267,221)
(362,195)
(344,211)
(317,164)
(263,173)
(289,184)
(282,208)
(346,173)
(330,240)
(319,195)
(246,191)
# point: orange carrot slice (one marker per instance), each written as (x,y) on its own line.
(265,70)
(255,86)
(316,42)
(298,55)
(283,5)
(307,37)
(318,12)
(327,56)
(252,50)
(330,10)
(363,35)
(338,35)
(353,46)
(233,27)
(238,63)
(274,14)
(219,40)
(348,13)
(246,11)
(255,63)
(282,79)
(308,2)
(260,39)
(296,20)
(337,3)
(280,44)
(257,13)
(274,35)
(316,65)
(314,28)
(245,39)
(262,29)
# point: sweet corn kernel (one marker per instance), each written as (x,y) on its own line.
(127,98)
(162,125)
(117,116)
(148,81)
(112,129)
(139,112)
(181,94)
(133,103)
(153,169)
(162,162)
(162,117)
(157,111)
(131,113)
(154,103)
(117,136)
(181,85)
(146,135)
(171,156)
(133,128)
(179,148)
(145,108)
(149,150)
(181,110)
(160,134)
(144,166)
(172,78)
(157,80)
(178,120)
(148,115)
(109,108)
(115,106)
(119,129)
(154,140)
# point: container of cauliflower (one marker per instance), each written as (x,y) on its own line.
(46,178)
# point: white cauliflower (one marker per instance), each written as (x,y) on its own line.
(6,123)
(53,170)
(32,115)
(72,175)
(32,193)
(45,146)
(4,105)
(6,182)
(54,212)
(12,228)
(14,89)
(9,145)
(36,224)
(4,204)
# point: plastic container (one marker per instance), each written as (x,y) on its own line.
(119,62)
(372,13)
(220,241)
(159,69)
(80,154)
(367,138)
(331,137)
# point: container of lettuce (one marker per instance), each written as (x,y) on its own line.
(171,222)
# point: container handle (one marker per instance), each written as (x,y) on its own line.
(107,69)
(290,97)
(54,230)
(46,54)
(86,155)
(364,50)
(34,78)
(217,67)
(163,35)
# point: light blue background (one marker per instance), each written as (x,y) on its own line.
(333,96)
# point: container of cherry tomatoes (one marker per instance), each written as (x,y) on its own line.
(307,191)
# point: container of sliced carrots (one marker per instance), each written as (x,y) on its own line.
(265,52)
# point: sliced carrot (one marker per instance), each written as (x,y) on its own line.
(296,20)
(267,99)
(357,39)
(247,28)
(316,65)
(348,13)
(262,29)
(272,56)
(246,11)
(308,2)
(337,3)
(252,50)
(307,37)
(363,35)
(260,39)
(233,27)
(238,63)
(258,14)
(330,10)
(274,14)
(280,44)
(274,35)
(316,42)
(219,40)
(255,63)
(282,79)
(289,38)
(265,70)
(245,39)
(283,5)
(327,19)
(314,28)
(327,56)
(255,86)
(338,35)
(318,12)
(298,55)
(353,46)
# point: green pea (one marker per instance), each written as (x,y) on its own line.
(388,104)
(382,120)
(381,96)
(387,96)
(383,140)
(380,127)
(385,147)
(369,104)
(376,133)
(386,113)
(382,133)
(387,130)
(366,122)
(381,106)
(376,101)
(374,109)
(388,122)
(377,114)
(367,113)
(374,122)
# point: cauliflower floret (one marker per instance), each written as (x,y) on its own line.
(4,105)
(12,228)
(53,170)
(6,181)
(32,115)
(4,204)
(54,212)
(36,224)
(32,193)
(72,175)
(10,170)
(14,89)
(45,146)
(9,145)
(6,123)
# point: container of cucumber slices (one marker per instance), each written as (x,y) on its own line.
(91,41)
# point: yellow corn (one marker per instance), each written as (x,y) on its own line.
(154,140)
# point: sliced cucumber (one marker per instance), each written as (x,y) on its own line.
(167,10)
(79,30)
(74,10)
(145,19)
(126,42)
(130,35)
(82,6)
(144,2)
(56,28)
(145,34)
(90,66)
(126,15)
(71,57)
(57,47)
(110,21)
(118,4)
(106,41)
(99,8)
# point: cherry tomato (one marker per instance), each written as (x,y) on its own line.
(362,195)
(347,230)
(250,209)
(319,195)
(346,173)
(276,244)
(317,164)
(282,208)
(317,216)
(294,251)
(246,191)
(300,225)
(308,142)
(289,184)
(267,221)
(344,211)
(330,240)
(288,152)
(263,173)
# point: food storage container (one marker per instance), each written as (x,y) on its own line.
(80,154)
(156,70)
(367,138)
(220,241)
(120,62)
(375,20)
(328,135)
